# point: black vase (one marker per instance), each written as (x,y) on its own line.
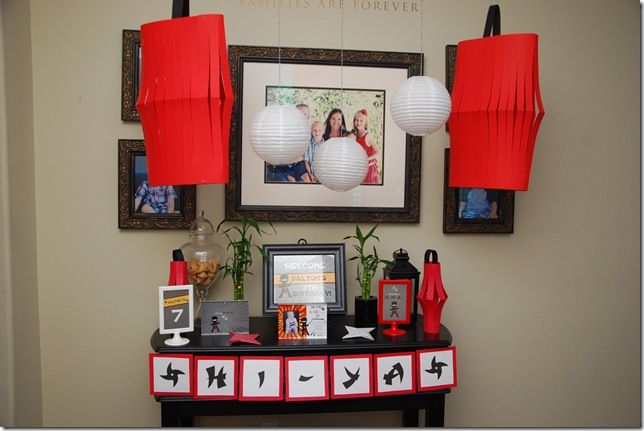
(366,312)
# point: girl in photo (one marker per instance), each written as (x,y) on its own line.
(360,130)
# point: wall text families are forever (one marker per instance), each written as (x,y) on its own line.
(393,6)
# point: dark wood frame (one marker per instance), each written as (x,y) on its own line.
(271,250)
(238,55)
(453,224)
(130,65)
(128,150)
(450,66)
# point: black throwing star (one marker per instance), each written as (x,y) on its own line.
(437,368)
(305,378)
(172,375)
(261,375)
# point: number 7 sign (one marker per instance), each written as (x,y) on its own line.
(176,311)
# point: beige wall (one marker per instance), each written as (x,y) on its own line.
(21,176)
(546,320)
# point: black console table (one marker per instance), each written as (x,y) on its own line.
(180,411)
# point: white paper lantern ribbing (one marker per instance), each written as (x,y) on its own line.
(279,134)
(421,105)
(340,164)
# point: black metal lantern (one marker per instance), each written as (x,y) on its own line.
(402,269)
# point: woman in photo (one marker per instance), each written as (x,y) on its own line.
(334,125)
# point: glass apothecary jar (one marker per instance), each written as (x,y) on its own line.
(204,257)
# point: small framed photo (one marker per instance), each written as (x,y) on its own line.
(305,274)
(142,206)
(131,74)
(261,378)
(223,317)
(306,378)
(394,373)
(215,377)
(394,300)
(176,313)
(469,210)
(170,374)
(436,368)
(302,322)
(351,376)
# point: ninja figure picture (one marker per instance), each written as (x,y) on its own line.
(284,286)
(394,309)
(304,326)
(214,322)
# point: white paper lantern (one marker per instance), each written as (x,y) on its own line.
(280,134)
(340,164)
(421,105)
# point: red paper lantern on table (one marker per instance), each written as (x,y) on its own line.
(493,125)
(432,295)
(185,100)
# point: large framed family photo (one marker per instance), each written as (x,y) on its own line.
(142,206)
(345,90)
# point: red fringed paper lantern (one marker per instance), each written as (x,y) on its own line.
(432,295)
(185,100)
(493,125)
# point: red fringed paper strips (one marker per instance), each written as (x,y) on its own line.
(432,295)
(185,100)
(493,125)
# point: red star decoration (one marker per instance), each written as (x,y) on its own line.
(243,338)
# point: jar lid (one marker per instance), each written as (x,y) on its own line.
(202,226)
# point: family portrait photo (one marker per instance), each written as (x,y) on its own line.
(332,113)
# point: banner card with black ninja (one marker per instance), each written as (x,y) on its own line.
(436,368)
(216,377)
(306,378)
(260,378)
(394,373)
(170,374)
(351,376)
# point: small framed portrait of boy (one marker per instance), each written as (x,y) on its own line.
(301,321)
(394,300)
(144,206)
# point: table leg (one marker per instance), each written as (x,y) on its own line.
(410,418)
(171,416)
(435,411)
